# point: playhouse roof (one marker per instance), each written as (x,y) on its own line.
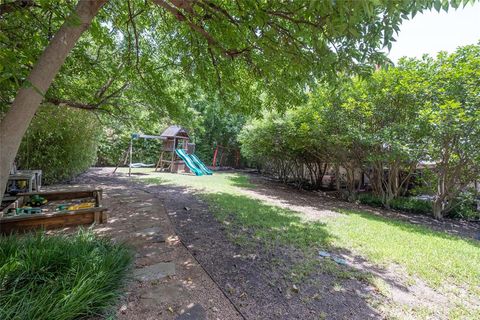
(175,131)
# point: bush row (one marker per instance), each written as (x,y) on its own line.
(60,141)
(413,125)
(464,208)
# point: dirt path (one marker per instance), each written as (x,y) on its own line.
(215,278)
(168,282)
(256,279)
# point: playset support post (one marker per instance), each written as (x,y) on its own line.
(214,164)
(130,157)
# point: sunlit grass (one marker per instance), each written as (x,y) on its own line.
(270,223)
(436,257)
(218,182)
(433,256)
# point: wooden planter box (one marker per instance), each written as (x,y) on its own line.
(54,219)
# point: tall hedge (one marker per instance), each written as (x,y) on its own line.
(60,141)
(387,126)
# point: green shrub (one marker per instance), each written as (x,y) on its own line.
(112,147)
(464,212)
(464,207)
(412,205)
(60,277)
(60,141)
(370,199)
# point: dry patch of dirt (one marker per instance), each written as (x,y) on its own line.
(172,224)
(167,282)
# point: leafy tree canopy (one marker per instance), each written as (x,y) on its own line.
(422,111)
(156,54)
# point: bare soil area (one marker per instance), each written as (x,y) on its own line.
(217,278)
(167,281)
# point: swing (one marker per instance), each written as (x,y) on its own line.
(128,153)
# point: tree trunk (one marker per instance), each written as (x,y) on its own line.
(439,203)
(477,194)
(15,123)
(438,208)
(337,177)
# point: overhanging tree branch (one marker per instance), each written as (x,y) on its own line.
(174,9)
(72,104)
(87,106)
(16,5)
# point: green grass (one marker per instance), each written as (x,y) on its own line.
(304,268)
(269,223)
(463,312)
(231,183)
(433,256)
(271,226)
(61,276)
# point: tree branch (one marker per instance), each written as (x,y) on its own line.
(287,16)
(72,104)
(135,33)
(113,94)
(16,5)
(206,5)
(174,9)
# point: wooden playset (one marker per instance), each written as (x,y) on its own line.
(52,209)
(176,155)
(174,137)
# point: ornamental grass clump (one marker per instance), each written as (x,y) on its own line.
(60,276)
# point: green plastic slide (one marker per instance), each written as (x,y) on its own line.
(189,162)
(200,164)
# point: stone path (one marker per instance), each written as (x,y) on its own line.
(168,283)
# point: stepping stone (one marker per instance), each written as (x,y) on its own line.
(323,254)
(158,238)
(164,294)
(154,271)
(154,233)
(340,261)
(196,312)
(148,231)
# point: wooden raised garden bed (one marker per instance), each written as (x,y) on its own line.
(61,209)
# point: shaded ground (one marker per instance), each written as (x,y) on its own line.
(315,204)
(258,279)
(168,283)
(263,282)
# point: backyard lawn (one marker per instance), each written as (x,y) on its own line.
(345,177)
(383,252)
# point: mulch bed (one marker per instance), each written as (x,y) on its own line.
(258,280)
